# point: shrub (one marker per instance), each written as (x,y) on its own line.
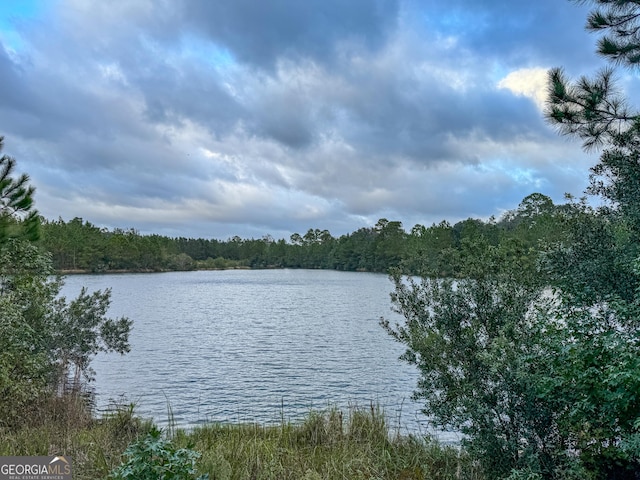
(156,458)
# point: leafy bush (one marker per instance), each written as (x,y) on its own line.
(156,458)
(470,340)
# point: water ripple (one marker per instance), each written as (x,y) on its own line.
(246,345)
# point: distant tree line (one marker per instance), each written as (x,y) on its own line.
(437,250)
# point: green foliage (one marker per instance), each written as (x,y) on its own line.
(469,339)
(156,458)
(543,384)
(620,19)
(16,202)
(590,109)
(82,330)
(596,112)
(26,291)
(181,262)
(595,261)
(438,250)
(593,354)
(40,334)
(592,379)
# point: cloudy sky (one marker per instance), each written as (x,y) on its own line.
(214,118)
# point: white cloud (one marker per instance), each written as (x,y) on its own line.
(527,82)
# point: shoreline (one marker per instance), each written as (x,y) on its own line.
(79,271)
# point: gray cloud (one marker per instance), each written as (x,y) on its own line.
(248,118)
(514,32)
(261,33)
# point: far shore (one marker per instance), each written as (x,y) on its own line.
(79,271)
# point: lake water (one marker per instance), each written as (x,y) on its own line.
(254,345)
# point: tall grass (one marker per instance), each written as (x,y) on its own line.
(327,445)
(64,426)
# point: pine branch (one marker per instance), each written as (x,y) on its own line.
(590,109)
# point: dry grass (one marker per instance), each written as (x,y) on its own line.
(64,426)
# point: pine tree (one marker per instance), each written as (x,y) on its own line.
(596,112)
(17,216)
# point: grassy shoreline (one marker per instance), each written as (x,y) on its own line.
(325,445)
